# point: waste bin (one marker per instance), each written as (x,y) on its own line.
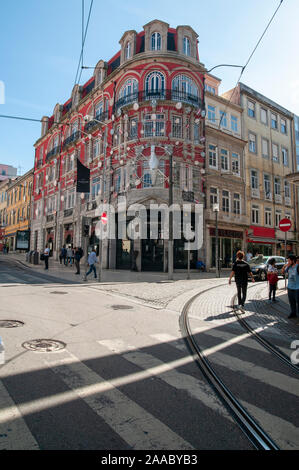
(35,257)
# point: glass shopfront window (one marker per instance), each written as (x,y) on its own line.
(261,248)
(227,250)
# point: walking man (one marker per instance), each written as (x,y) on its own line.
(292,268)
(92,259)
(240,270)
(46,256)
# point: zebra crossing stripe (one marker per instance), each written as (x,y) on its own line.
(152,366)
(130,421)
(14,433)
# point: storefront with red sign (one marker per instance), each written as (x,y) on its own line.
(261,240)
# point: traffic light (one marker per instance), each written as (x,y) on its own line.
(85,230)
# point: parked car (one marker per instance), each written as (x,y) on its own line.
(259,266)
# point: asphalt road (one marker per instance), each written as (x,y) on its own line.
(122,380)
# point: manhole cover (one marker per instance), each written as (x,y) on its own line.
(44,345)
(10,323)
(58,292)
(121,307)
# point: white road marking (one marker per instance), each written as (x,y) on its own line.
(152,366)
(134,424)
(14,433)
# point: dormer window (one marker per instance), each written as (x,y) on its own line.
(187,46)
(128,50)
(156,42)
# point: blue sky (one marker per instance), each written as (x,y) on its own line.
(40,43)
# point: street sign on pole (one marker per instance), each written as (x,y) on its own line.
(104,218)
(285,225)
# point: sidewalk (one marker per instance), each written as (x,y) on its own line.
(108,275)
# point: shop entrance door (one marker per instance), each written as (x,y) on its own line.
(124,253)
(152,255)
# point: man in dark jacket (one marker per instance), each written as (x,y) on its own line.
(62,255)
(78,256)
(240,270)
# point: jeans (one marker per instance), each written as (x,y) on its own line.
(293,295)
(69,260)
(92,267)
(242,292)
(77,263)
(272,289)
(46,262)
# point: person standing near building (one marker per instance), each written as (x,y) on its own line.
(46,256)
(62,255)
(69,256)
(240,271)
(92,259)
(78,257)
(272,279)
(248,256)
(292,268)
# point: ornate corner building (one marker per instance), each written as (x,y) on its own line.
(146,102)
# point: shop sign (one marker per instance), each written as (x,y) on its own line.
(226,233)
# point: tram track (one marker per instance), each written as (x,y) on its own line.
(253,431)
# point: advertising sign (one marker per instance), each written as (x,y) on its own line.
(23,240)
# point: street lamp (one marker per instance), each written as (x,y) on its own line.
(216,210)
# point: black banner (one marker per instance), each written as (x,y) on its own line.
(83,178)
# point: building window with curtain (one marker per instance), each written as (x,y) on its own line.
(213,156)
(128,92)
(155,85)
(225,201)
(128,50)
(237,204)
(184,89)
(187,46)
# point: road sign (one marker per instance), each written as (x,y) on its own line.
(285,225)
(104,218)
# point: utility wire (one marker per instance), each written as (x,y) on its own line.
(83,42)
(249,58)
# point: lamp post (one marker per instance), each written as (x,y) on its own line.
(216,210)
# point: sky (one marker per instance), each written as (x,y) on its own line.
(40,45)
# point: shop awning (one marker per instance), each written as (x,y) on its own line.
(260,235)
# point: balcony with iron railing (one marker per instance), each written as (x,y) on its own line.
(91,125)
(71,139)
(162,95)
(52,152)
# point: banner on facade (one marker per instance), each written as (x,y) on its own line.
(22,239)
(83,178)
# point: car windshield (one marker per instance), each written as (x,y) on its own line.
(259,260)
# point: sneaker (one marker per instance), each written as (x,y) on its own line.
(275,300)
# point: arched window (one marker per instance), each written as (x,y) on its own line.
(128,50)
(156,42)
(128,92)
(184,89)
(98,109)
(186,46)
(155,85)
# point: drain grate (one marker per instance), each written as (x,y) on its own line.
(121,307)
(58,292)
(10,323)
(44,345)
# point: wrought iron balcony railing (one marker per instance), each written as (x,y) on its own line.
(52,152)
(68,212)
(72,138)
(94,122)
(161,94)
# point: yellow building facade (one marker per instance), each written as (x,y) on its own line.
(18,211)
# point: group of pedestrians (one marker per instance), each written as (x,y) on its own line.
(69,256)
(5,248)
(241,271)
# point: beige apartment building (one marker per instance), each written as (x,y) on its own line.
(224,177)
(269,158)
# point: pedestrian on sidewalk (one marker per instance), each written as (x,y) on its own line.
(62,255)
(92,260)
(272,279)
(292,268)
(240,270)
(69,256)
(248,256)
(78,256)
(46,256)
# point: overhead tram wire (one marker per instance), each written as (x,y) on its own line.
(83,43)
(250,57)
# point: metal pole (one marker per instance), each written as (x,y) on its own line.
(170,241)
(285,255)
(217,254)
(100,274)
(188,255)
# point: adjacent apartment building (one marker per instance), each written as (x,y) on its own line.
(224,177)
(18,212)
(269,158)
